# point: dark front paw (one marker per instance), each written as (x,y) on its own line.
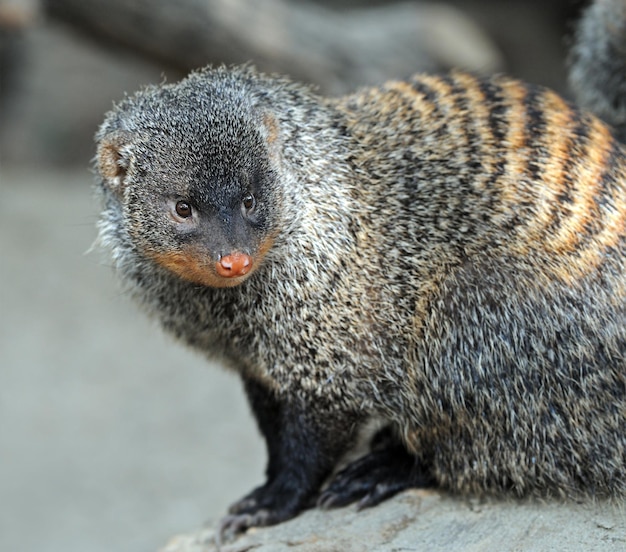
(268,504)
(375,477)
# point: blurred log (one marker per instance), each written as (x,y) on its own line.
(335,49)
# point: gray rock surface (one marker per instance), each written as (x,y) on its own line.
(427,520)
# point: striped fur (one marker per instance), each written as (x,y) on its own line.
(448,255)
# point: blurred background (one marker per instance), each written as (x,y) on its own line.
(112,437)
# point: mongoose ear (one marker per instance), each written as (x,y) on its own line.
(113,159)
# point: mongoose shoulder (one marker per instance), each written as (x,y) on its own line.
(445,255)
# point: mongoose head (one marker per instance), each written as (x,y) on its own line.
(191,167)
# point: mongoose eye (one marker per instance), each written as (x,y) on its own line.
(183,209)
(248,203)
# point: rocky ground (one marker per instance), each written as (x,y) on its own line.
(427,520)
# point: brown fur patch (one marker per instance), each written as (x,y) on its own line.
(559,141)
(587,185)
(515,141)
(196,266)
(191,266)
(272,128)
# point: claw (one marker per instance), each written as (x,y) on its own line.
(234,524)
(230,526)
(326,501)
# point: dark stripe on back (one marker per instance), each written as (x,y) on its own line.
(534,130)
(468,124)
(470,157)
(498,126)
(608,180)
(430,95)
(497,108)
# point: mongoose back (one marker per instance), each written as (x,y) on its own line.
(444,255)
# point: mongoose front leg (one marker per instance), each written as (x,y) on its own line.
(301,455)
(385,471)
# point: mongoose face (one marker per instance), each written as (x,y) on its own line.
(201,204)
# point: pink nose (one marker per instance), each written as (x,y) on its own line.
(235,264)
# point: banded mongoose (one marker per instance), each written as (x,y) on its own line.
(445,255)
